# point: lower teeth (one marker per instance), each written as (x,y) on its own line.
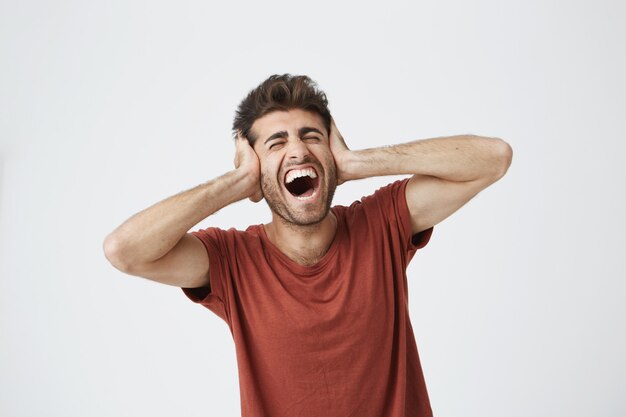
(305,198)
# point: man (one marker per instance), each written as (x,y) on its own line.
(317,299)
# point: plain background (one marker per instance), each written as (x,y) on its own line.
(517,302)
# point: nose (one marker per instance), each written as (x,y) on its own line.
(297,150)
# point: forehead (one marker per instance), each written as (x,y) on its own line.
(286,120)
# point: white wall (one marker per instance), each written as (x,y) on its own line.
(108,107)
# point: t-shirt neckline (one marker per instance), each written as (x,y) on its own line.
(303,269)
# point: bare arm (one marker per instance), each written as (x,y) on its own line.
(154,243)
(447,171)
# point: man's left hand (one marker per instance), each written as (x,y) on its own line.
(340,152)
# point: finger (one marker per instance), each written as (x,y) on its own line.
(339,137)
(237,150)
(334,128)
(242,142)
(239,138)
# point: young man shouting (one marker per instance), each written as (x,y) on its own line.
(317,299)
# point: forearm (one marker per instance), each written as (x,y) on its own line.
(153,232)
(454,158)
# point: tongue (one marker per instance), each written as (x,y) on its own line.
(307,193)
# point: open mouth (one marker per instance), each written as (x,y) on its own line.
(302,183)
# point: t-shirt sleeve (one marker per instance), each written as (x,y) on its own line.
(215,295)
(392,206)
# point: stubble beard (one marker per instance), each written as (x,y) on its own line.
(272,194)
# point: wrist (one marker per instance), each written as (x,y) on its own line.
(248,182)
(350,166)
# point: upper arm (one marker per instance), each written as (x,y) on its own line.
(185,265)
(432,199)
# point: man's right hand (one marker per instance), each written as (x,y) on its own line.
(247,161)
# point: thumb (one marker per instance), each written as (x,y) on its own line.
(256,197)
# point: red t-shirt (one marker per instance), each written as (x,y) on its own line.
(329,340)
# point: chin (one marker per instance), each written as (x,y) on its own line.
(309,220)
(299,217)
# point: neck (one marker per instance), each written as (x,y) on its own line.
(305,245)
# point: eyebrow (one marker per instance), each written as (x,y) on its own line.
(301,132)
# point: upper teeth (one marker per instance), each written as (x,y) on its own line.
(297,173)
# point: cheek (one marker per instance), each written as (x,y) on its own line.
(329,163)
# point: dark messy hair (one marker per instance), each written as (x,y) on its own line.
(280,92)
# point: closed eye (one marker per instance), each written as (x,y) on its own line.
(276,143)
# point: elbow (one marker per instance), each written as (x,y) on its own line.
(113,251)
(504,156)
(507,155)
(499,155)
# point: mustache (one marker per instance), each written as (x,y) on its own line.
(308,159)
